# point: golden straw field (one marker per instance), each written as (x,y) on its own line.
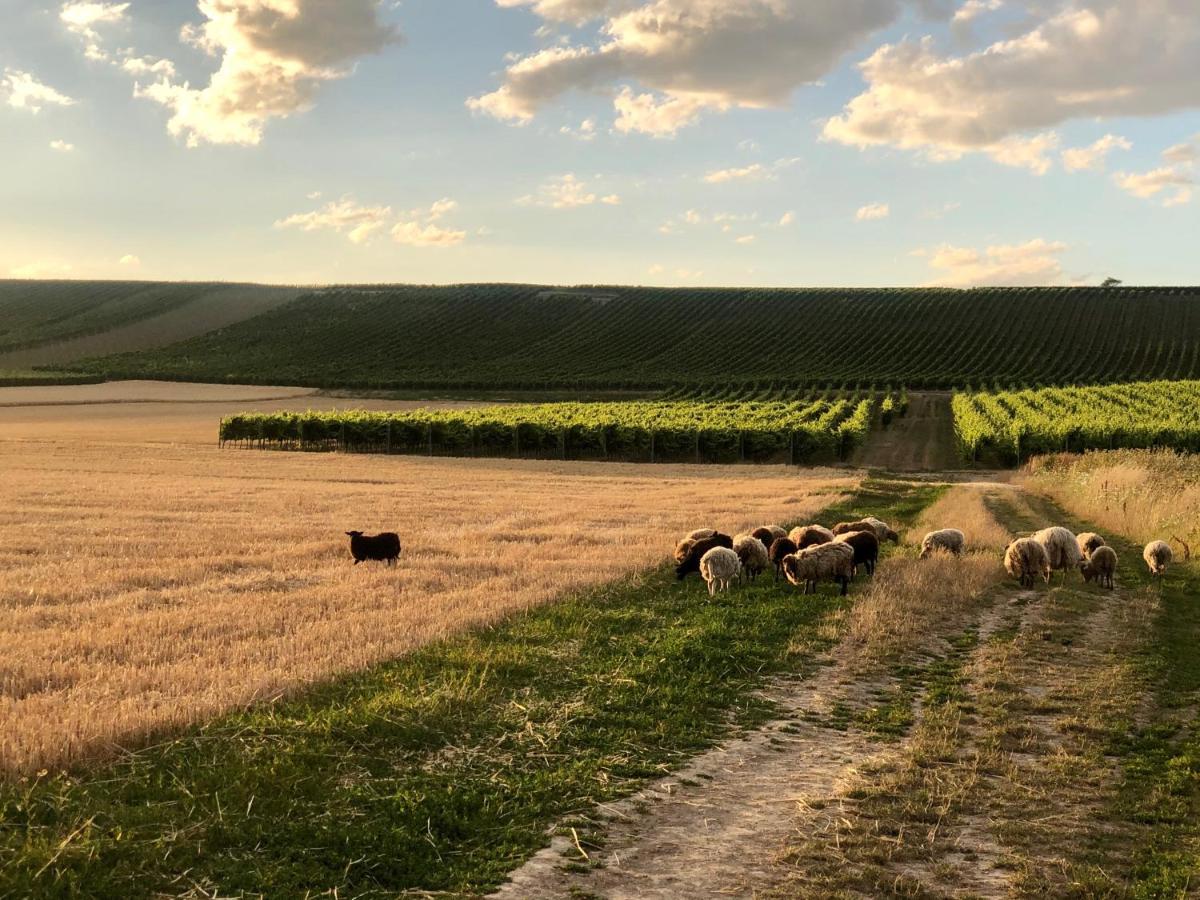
(149,581)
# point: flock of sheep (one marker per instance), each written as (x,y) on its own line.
(810,554)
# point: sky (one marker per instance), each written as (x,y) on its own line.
(668,142)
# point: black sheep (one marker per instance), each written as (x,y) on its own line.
(866,548)
(779,549)
(383,548)
(691,562)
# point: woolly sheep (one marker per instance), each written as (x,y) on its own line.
(718,567)
(866,549)
(781,548)
(1025,559)
(682,549)
(691,562)
(752,554)
(807,536)
(856,525)
(1061,546)
(824,562)
(949,540)
(1158,556)
(777,532)
(1088,542)
(1101,566)
(700,534)
(764,534)
(882,530)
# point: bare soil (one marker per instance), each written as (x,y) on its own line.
(921,441)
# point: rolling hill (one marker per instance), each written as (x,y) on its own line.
(524,336)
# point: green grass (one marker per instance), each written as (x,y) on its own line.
(536,338)
(441,771)
(34,379)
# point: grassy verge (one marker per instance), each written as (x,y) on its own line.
(42,378)
(439,772)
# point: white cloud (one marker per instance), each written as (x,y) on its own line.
(753,172)
(1187,152)
(1085,59)
(274,55)
(1176,182)
(688,56)
(441,208)
(973,9)
(416,234)
(345,215)
(61,146)
(566,192)
(82,19)
(873,212)
(23,91)
(746,239)
(1031,264)
(130,261)
(787,219)
(1092,159)
(585,132)
(148,65)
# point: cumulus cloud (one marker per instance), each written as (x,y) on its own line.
(1187,152)
(416,234)
(22,91)
(1175,181)
(147,65)
(688,56)
(343,216)
(1032,264)
(274,55)
(1092,159)
(973,9)
(753,172)
(788,218)
(83,18)
(1086,59)
(129,261)
(873,212)
(61,146)
(566,192)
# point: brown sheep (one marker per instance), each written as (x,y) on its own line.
(847,527)
(1088,542)
(866,549)
(810,536)
(779,549)
(691,562)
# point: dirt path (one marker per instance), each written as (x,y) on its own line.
(921,441)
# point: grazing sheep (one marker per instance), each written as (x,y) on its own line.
(1025,559)
(767,534)
(383,548)
(777,532)
(948,540)
(857,525)
(753,555)
(691,562)
(824,562)
(807,536)
(700,534)
(1158,556)
(1062,549)
(683,548)
(1088,542)
(1101,566)
(866,549)
(781,548)
(718,567)
(882,530)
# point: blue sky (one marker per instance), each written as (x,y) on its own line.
(582,141)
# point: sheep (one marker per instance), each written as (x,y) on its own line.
(718,567)
(856,525)
(1101,566)
(948,540)
(777,532)
(752,554)
(384,548)
(1062,549)
(779,549)
(866,549)
(1088,542)
(691,562)
(810,536)
(882,530)
(767,535)
(1158,556)
(1025,559)
(700,534)
(824,562)
(682,549)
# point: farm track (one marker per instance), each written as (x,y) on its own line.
(921,441)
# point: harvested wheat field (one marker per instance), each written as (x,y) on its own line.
(146,586)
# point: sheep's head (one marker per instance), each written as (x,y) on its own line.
(892,536)
(926,551)
(354,534)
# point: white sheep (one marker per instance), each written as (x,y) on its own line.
(1025,559)
(1088,542)
(805,536)
(1062,548)
(1101,566)
(718,567)
(822,562)
(1158,555)
(753,554)
(947,540)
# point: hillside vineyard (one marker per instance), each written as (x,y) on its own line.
(512,336)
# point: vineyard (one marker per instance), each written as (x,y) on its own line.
(1013,426)
(800,431)
(529,337)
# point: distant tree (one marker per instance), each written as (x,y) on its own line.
(1112,282)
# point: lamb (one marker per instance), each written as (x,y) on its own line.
(824,562)
(1158,555)
(810,536)
(866,549)
(718,567)
(691,562)
(1088,542)
(947,540)
(384,548)
(1025,559)
(752,554)
(1061,546)
(882,530)
(1101,566)
(781,548)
